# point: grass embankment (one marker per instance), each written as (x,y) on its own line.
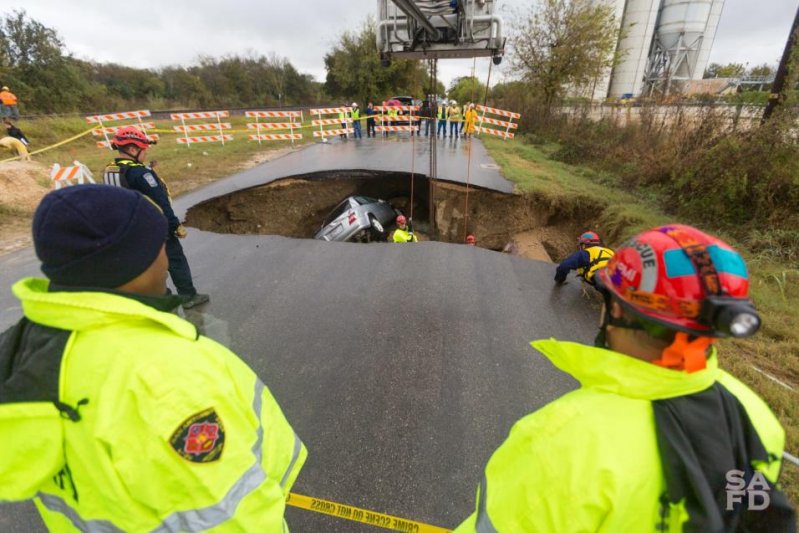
(183,168)
(600,202)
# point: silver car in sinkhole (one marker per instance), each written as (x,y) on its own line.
(358,219)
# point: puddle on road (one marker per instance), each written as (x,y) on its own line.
(296,206)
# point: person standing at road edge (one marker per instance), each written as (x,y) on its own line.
(8,104)
(658,437)
(356,121)
(130,172)
(116,414)
(370,120)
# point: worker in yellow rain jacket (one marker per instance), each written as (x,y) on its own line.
(658,437)
(403,233)
(117,415)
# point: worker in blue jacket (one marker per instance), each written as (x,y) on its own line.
(586,261)
(129,171)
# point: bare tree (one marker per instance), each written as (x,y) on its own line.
(559,44)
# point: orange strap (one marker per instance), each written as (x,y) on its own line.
(686,354)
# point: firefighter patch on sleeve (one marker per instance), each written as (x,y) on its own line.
(150,179)
(200,438)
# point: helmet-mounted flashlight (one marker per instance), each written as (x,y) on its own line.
(730,316)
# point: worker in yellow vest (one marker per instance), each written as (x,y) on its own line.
(586,261)
(403,233)
(454,117)
(355,114)
(115,413)
(441,118)
(658,437)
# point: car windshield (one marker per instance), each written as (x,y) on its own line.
(337,212)
(364,200)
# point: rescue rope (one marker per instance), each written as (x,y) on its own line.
(469,159)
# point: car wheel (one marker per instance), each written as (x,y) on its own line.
(377,231)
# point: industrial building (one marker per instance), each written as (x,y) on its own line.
(663,45)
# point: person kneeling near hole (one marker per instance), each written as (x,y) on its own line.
(658,437)
(404,233)
(586,261)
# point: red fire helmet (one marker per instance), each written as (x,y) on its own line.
(131,135)
(684,279)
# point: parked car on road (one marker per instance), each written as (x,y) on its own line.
(358,219)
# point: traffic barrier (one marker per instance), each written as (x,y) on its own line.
(115,117)
(205,139)
(203,127)
(409,117)
(186,128)
(329,121)
(113,129)
(77,174)
(507,134)
(291,126)
(395,128)
(277,137)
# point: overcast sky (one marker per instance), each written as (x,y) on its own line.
(175,32)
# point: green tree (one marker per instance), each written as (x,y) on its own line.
(466,89)
(762,71)
(354,71)
(730,70)
(562,44)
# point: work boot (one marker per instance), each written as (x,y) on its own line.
(194,300)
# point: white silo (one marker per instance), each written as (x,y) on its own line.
(683,38)
(638,28)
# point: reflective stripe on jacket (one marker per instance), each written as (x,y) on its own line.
(589,460)
(597,257)
(151,382)
(401,235)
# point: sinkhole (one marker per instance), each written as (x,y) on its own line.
(298,206)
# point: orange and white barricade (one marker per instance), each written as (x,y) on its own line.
(258,126)
(386,121)
(105,131)
(77,174)
(323,133)
(218,127)
(507,124)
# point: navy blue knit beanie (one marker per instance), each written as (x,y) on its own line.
(97,235)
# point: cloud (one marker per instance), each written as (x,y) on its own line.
(178,32)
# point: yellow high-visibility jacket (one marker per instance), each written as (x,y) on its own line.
(401,235)
(589,461)
(161,429)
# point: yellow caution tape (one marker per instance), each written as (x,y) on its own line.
(364,516)
(76,137)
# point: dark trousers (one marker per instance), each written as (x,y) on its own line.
(442,127)
(179,269)
(370,128)
(429,124)
(356,125)
(453,129)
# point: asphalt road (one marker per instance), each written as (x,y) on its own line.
(401,367)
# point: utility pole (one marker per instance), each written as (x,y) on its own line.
(777,96)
